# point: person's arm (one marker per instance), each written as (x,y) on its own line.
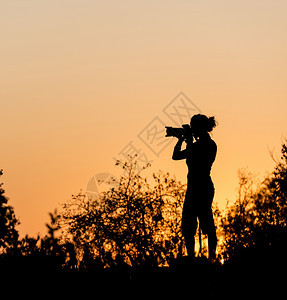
(177,152)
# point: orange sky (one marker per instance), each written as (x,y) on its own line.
(80,80)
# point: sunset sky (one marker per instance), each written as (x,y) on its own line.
(80,79)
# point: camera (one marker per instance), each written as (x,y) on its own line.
(185,131)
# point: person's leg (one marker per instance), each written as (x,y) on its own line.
(188,226)
(189,244)
(211,229)
(189,222)
(211,234)
(208,227)
(212,243)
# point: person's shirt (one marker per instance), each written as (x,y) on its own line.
(199,156)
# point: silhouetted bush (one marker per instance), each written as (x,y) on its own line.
(136,227)
(8,222)
(32,255)
(134,224)
(254,228)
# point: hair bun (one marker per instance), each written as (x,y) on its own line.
(202,122)
(211,123)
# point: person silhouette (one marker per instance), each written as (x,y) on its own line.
(199,154)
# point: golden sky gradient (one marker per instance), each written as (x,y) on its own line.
(80,80)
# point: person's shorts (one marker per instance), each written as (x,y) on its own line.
(197,205)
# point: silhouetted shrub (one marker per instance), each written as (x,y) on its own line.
(134,224)
(8,222)
(256,224)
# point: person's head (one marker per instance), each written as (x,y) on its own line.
(201,124)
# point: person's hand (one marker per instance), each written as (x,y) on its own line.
(179,141)
(180,138)
(189,140)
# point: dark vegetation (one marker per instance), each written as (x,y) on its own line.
(132,234)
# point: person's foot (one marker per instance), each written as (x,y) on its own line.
(212,260)
(212,257)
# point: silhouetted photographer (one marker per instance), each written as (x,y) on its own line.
(199,154)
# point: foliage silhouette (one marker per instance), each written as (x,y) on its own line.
(37,255)
(258,218)
(8,222)
(136,227)
(134,224)
(254,233)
